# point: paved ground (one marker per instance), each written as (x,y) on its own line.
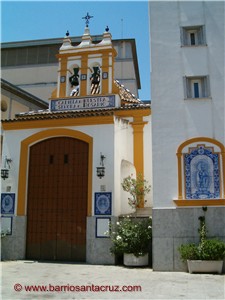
(68,280)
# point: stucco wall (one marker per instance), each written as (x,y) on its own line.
(39,80)
(115,142)
(175,119)
(102,143)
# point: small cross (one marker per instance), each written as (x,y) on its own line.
(87,18)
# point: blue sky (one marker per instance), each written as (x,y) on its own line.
(30,20)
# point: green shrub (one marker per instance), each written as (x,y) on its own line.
(189,251)
(137,188)
(131,236)
(212,250)
(207,249)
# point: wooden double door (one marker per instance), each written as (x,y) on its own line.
(57,200)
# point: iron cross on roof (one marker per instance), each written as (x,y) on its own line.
(87,18)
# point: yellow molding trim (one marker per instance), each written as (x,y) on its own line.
(105,68)
(54,93)
(24,161)
(209,202)
(83,52)
(82,121)
(179,177)
(84,70)
(223,171)
(200,139)
(63,71)
(133,113)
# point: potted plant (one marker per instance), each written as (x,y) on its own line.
(131,237)
(206,256)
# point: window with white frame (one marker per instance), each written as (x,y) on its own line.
(196,87)
(193,36)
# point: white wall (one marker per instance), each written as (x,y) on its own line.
(174,119)
(102,143)
(123,150)
(148,158)
(124,162)
(39,80)
(114,141)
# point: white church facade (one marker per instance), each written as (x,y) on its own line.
(66,164)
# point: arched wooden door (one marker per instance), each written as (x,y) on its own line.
(57,200)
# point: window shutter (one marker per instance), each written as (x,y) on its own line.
(203,35)
(185,37)
(182,36)
(203,83)
(187,89)
(200,36)
(208,93)
(205,87)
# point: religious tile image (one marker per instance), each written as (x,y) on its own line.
(7,203)
(202,174)
(103,203)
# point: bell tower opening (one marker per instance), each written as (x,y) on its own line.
(75,82)
(95,79)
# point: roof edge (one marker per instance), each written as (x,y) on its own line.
(22,93)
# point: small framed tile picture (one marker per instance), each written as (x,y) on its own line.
(102,227)
(7,203)
(103,203)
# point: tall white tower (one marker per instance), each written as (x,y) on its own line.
(188,105)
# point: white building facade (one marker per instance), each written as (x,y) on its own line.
(188,122)
(65,164)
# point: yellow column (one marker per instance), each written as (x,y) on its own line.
(63,71)
(84,71)
(105,69)
(138,142)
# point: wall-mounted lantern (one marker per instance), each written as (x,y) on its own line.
(5,171)
(101,169)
